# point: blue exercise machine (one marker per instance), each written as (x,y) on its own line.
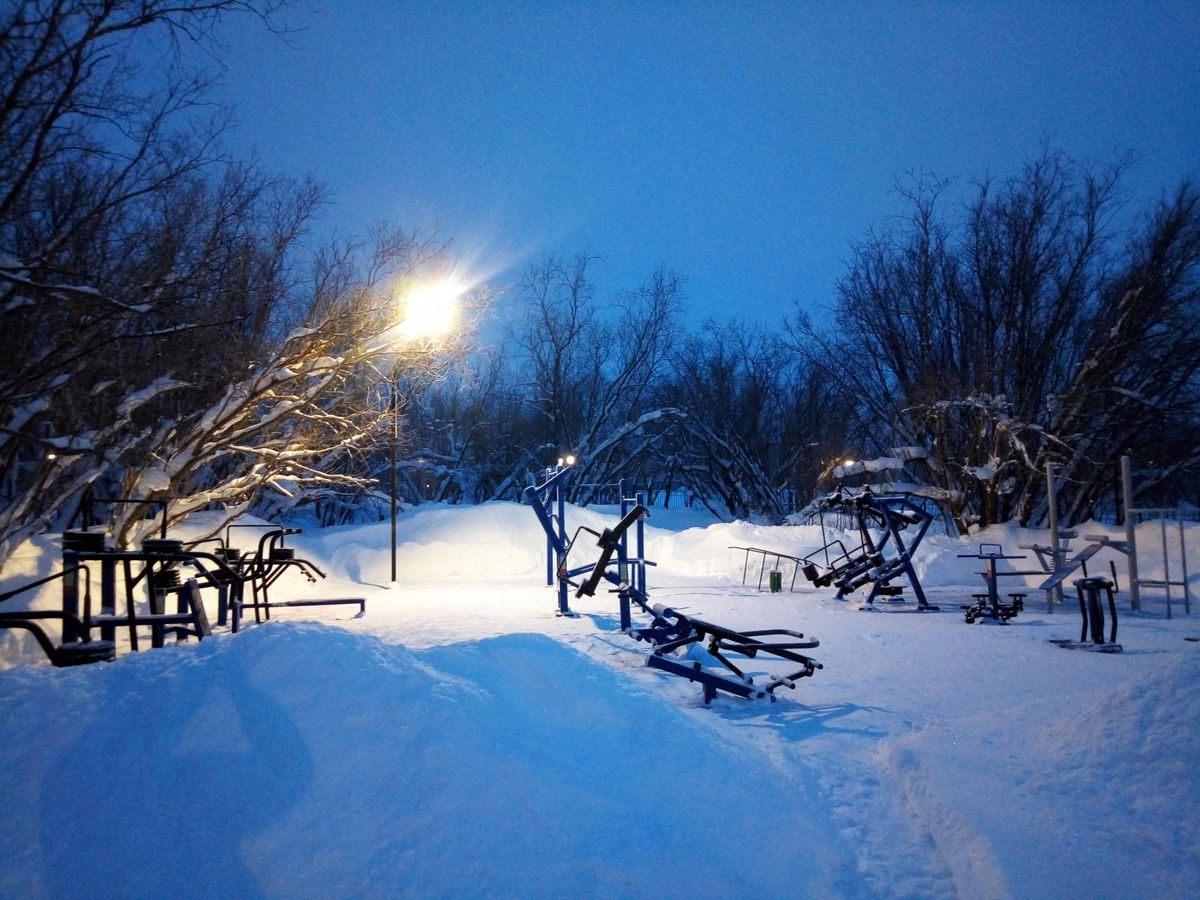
(671,631)
(681,644)
(548,501)
(883,554)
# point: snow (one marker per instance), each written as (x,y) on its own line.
(461,740)
(141,397)
(150,480)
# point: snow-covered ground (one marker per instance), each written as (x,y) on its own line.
(461,740)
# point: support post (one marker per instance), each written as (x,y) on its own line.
(1055,594)
(108,596)
(1130,530)
(1166,559)
(395,441)
(70,595)
(564,606)
(640,580)
(623,548)
(1187,591)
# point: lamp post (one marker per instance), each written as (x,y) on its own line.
(430,312)
(395,444)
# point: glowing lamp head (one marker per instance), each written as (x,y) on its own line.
(431,310)
(847,461)
(570,459)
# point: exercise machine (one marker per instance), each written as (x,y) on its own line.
(1091,609)
(548,502)
(890,528)
(693,648)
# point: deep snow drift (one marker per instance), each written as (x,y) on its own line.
(462,740)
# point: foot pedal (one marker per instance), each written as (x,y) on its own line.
(83,654)
(1068,644)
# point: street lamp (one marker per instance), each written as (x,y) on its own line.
(430,312)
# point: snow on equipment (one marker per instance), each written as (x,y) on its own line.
(548,501)
(157,567)
(882,555)
(671,631)
(1090,608)
(677,640)
(988,605)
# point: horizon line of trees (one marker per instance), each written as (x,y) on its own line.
(1034,321)
(168,334)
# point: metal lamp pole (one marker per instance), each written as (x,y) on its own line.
(428,313)
(395,442)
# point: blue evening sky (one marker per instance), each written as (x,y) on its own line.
(745,145)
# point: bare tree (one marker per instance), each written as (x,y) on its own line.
(593,370)
(1003,339)
(161,335)
(111,235)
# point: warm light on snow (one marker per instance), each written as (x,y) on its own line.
(431,310)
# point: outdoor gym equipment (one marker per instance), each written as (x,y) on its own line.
(156,566)
(1079,561)
(83,649)
(882,555)
(1092,612)
(1055,563)
(987,605)
(548,501)
(268,564)
(671,631)
(775,575)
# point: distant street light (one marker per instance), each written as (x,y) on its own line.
(430,312)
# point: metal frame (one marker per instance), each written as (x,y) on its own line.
(795,560)
(1162,515)
(156,565)
(892,514)
(548,502)
(671,631)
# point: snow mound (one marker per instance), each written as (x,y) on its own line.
(1146,788)
(315,762)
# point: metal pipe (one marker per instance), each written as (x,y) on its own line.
(1187,591)
(1135,601)
(1166,561)
(1056,555)
(395,441)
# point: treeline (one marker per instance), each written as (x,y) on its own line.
(169,334)
(727,416)
(1032,321)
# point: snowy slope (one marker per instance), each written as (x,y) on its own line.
(461,740)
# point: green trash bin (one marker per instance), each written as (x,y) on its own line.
(776,582)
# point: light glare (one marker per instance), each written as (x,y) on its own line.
(431,310)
